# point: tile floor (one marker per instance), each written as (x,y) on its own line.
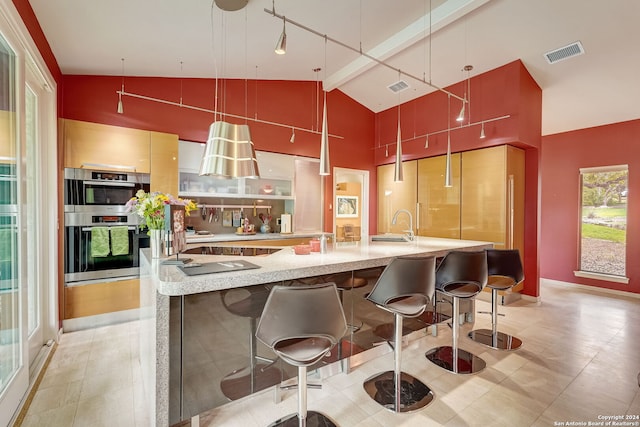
(579,363)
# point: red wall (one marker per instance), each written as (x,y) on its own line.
(94,99)
(562,156)
(507,90)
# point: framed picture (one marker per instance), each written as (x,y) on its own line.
(347,207)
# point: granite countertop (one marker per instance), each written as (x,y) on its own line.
(285,265)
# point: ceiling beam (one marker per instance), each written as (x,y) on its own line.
(441,16)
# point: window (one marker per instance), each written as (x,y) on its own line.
(603,223)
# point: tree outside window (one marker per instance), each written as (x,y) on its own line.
(603,220)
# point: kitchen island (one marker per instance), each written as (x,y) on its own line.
(187,335)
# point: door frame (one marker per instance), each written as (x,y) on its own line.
(357,175)
(17,35)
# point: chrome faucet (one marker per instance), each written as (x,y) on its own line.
(409,232)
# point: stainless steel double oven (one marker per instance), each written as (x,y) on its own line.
(95,198)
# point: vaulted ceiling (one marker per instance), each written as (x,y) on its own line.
(429,39)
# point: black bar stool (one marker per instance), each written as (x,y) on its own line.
(301,324)
(505,271)
(460,275)
(405,288)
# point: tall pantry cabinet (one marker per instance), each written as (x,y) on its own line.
(492,196)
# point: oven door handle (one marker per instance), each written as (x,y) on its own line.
(131,227)
(110,183)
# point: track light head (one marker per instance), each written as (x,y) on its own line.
(281,46)
(460,117)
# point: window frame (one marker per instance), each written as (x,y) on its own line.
(592,274)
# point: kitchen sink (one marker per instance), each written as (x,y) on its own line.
(389,237)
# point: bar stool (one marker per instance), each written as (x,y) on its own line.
(505,271)
(405,288)
(261,372)
(301,324)
(460,275)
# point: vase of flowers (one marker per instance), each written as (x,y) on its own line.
(265,227)
(150,207)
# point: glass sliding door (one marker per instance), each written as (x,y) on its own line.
(12,371)
(31,208)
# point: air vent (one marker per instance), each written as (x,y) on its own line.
(398,86)
(574,49)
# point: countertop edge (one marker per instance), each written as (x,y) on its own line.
(285,265)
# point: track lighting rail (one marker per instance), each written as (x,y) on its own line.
(366,55)
(427,135)
(206,110)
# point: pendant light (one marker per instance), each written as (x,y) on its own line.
(447,169)
(482,135)
(325,167)
(229,151)
(397,171)
(120,109)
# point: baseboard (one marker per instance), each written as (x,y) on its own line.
(35,378)
(89,322)
(587,288)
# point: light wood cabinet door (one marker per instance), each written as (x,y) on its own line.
(396,195)
(492,196)
(438,206)
(164,163)
(98,146)
(101,298)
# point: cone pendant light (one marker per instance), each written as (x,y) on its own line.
(325,168)
(447,169)
(397,174)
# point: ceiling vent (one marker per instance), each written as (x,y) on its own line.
(398,86)
(557,55)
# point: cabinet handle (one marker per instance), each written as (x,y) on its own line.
(105,166)
(417,218)
(511,209)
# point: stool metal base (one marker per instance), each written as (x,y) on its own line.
(414,394)
(314,419)
(499,340)
(465,362)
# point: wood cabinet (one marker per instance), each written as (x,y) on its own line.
(101,298)
(492,196)
(98,146)
(396,195)
(438,206)
(164,162)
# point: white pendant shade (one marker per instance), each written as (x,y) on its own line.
(229,152)
(397,172)
(325,167)
(447,169)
